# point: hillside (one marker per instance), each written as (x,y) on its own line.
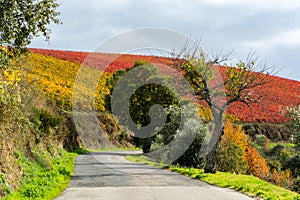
(279,93)
(38,128)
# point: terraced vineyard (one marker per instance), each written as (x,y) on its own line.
(278,93)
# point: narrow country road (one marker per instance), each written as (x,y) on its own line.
(109,176)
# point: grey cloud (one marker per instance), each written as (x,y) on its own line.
(223,26)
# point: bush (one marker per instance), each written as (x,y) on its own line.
(257,165)
(294,125)
(231,155)
(260,139)
(231,158)
(274,164)
(5,188)
(283,154)
(296,184)
(44,121)
(182,146)
(281,178)
(294,165)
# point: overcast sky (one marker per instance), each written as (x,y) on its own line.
(270,27)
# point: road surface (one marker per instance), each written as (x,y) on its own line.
(109,176)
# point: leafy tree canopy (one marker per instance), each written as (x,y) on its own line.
(21,21)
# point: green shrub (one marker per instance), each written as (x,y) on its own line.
(44,121)
(231,158)
(296,184)
(181,141)
(5,188)
(260,140)
(294,124)
(274,165)
(281,153)
(294,165)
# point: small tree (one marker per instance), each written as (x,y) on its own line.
(294,124)
(180,141)
(239,84)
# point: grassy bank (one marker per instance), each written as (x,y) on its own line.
(45,176)
(249,185)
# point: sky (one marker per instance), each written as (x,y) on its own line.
(270,28)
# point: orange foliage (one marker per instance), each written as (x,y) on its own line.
(257,165)
(282,178)
(236,135)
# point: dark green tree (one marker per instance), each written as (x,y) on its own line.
(153,90)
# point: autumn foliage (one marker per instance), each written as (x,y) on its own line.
(231,154)
(236,134)
(278,93)
(55,79)
(256,164)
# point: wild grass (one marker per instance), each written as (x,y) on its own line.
(44,177)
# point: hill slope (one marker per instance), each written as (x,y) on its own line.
(279,93)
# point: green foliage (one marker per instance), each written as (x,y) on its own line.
(296,185)
(274,165)
(144,97)
(294,124)
(5,188)
(40,181)
(81,150)
(232,149)
(260,140)
(111,82)
(281,153)
(20,22)
(186,128)
(294,165)
(43,121)
(164,136)
(231,158)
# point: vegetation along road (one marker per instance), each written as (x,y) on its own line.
(108,175)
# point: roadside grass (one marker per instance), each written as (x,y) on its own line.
(44,177)
(249,185)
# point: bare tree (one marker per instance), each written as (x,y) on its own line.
(238,83)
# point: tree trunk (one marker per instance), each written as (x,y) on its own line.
(211,158)
(211,161)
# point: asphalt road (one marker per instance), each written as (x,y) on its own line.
(109,176)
